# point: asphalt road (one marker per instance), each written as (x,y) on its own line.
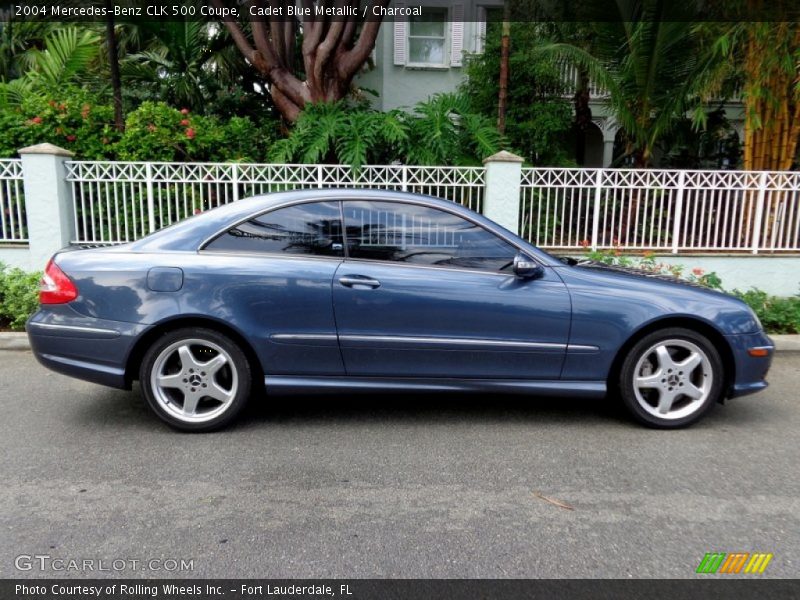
(402,486)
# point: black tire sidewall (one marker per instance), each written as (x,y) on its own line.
(626,376)
(240,364)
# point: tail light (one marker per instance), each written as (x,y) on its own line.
(55,287)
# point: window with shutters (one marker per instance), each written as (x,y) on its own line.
(427,38)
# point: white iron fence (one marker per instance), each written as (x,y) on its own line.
(13,221)
(120,202)
(565,209)
(661,210)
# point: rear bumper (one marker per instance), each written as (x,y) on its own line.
(90,349)
(751,371)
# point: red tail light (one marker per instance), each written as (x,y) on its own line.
(55,287)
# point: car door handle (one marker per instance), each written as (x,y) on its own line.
(358,280)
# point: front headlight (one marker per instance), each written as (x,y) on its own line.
(756,319)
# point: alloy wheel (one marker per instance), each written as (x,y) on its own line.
(673,379)
(194,380)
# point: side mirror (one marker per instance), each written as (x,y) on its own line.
(527,268)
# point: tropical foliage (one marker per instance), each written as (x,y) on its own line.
(661,72)
(539,116)
(441,130)
(655,71)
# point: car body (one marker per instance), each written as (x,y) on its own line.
(374,290)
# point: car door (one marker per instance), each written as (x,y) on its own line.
(271,276)
(424,292)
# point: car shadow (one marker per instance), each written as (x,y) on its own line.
(128,410)
(434,408)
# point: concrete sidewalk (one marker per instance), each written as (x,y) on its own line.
(19,341)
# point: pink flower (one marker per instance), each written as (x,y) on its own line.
(185,122)
(698,271)
(184,111)
(71,138)
(190,133)
(36,120)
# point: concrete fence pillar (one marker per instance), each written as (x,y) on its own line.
(48,202)
(501,202)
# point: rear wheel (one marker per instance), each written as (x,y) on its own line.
(195,379)
(671,378)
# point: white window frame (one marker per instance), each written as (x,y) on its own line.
(445,64)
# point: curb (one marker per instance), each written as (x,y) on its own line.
(19,341)
(14,341)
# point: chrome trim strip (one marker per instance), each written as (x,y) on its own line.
(450,341)
(381,263)
(75,328)
(304,336)
(581,348)
(292,384)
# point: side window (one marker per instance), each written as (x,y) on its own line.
(313,228)
(408,233)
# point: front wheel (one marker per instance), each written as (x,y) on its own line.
(195,379)
(671,378)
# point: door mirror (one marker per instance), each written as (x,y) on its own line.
(527,268)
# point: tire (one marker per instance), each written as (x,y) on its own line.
(195,379)
(671,378)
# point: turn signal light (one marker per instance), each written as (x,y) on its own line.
(55,287)
(758,352)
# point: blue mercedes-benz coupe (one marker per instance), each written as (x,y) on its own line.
(373,290)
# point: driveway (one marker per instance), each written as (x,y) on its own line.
(396,486)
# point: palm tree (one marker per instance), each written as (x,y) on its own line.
(67,58)
(184,63)
(112,47)
(655,70)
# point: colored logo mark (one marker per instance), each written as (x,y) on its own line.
(734,562)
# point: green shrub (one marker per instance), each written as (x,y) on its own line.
(158,132)
(777,315)
(19,296)
(72,119)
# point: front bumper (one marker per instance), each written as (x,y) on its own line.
(750,371)
(94,350)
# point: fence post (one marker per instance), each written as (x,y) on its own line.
(501,202)
(762,192)
(235,181)
(151,206)
(598,196)
(676,223)
(48,201)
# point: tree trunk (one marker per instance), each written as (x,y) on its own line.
(505,47)
(333,51)
(113,63)
(583,115)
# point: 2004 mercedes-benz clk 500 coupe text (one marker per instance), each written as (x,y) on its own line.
(369,290)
